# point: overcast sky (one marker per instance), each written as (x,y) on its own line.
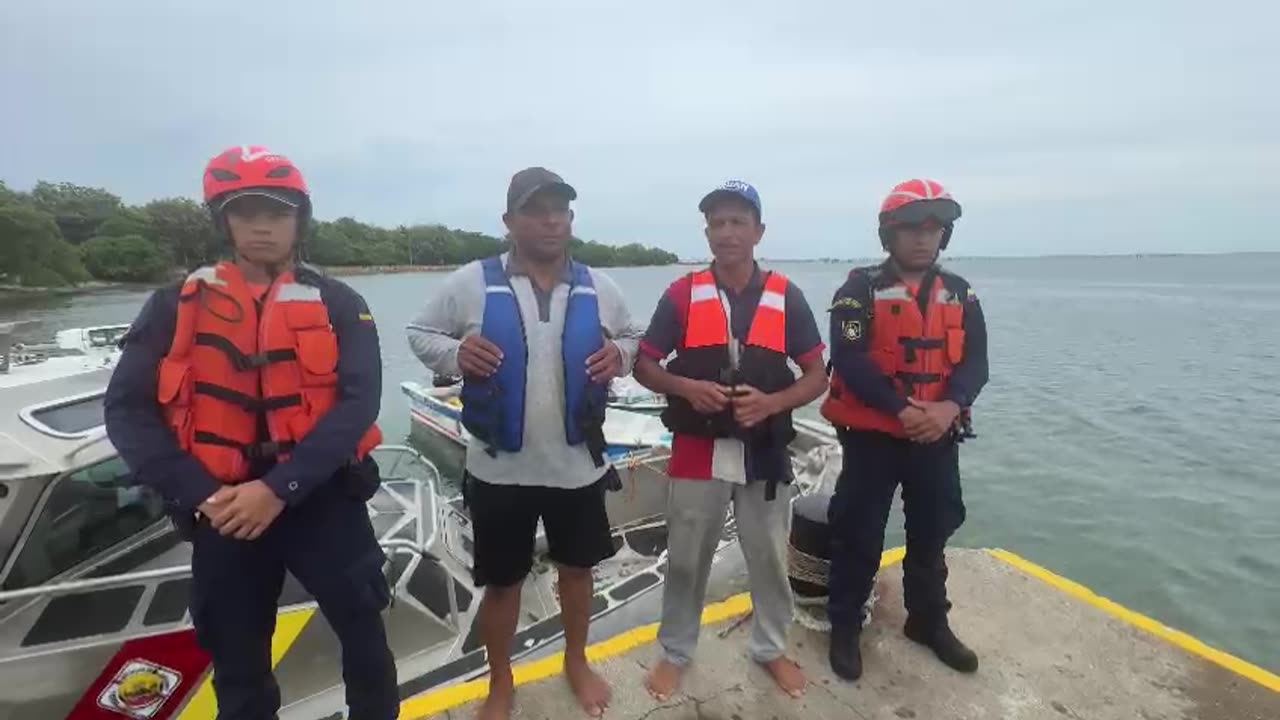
(1149,126)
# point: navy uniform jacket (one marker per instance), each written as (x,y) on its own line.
(853,304)
(137,428)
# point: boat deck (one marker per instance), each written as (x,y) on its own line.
(1049,648)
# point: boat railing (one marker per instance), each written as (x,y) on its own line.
(426,529)
(97,583)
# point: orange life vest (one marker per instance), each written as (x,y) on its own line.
(704,355)
(918,351)
(232,364)
(708,325)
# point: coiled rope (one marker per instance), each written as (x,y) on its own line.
(811,612)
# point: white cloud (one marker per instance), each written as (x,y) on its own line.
(1051,120)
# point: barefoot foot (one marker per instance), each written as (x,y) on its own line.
(498,705)
(788,675)
(592,691)
(664,680)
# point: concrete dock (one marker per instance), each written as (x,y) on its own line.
(1049,649)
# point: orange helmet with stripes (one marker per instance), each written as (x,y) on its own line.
(914,202)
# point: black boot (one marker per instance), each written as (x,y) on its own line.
(845,655)
(937,636)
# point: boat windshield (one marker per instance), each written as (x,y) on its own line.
(69,417)
(107,336)
(83,514)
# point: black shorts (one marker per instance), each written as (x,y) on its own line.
(504,520)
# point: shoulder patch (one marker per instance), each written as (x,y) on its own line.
(971,296)
(365,317)
(851,329)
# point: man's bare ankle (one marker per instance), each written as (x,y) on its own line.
(501,679)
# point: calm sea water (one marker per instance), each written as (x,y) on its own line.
(1128,438)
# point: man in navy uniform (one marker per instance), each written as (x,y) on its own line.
(908,357)
(246,397)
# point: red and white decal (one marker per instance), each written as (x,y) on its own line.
(147,679)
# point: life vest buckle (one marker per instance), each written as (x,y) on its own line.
(267,450)
(911,344)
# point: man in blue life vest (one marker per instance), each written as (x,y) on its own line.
(537,336)
(909,357)
(734,329)
(246,397)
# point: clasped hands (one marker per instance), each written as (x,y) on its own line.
(750,405)
(927,422)
(242,511)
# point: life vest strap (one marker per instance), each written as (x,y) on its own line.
(252,451)
(911,379)
(593,434)
(241,360)
(911,344)
(250,404)
(920,343)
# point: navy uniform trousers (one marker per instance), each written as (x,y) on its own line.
(875,464)
(327,542)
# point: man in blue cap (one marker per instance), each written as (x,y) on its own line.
(730,388)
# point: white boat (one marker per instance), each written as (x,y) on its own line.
(626,393)
(435,415)
(72,351)
(436,424)
(638,444)
(94,580)
(96,338)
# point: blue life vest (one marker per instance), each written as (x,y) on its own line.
(493,408)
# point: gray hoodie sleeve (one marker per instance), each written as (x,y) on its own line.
(437,330)
(616,319)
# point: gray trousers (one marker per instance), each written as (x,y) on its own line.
(695,520)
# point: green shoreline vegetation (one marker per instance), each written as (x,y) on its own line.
(62,235)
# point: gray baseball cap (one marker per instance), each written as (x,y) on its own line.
(529,181)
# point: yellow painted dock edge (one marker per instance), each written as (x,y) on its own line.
(204,706)
(437,701)
(1177,637)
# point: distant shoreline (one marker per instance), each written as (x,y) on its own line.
(344,270)
(19,292)
(11,293)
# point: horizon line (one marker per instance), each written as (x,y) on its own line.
(1042,256)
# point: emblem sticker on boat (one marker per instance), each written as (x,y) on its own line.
(139,689)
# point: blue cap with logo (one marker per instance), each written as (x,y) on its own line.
(735,189)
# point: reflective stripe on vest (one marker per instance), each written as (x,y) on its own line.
(493,409)
(708,322)
(707,325)
(918,352)
(229,364)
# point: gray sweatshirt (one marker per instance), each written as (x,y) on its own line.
(457,310)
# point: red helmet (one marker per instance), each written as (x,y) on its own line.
(915,201)
(252,169)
